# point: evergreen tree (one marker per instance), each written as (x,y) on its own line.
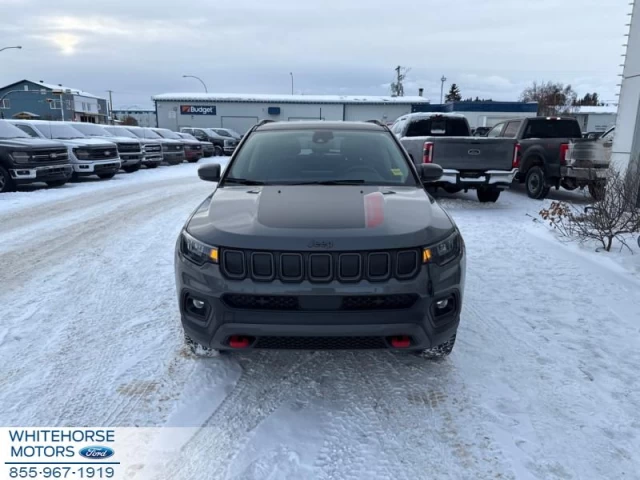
(454,94)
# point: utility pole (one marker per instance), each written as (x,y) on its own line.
(110,119)
(397,88)
(291,73)
(442,80)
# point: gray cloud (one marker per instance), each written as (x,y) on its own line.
(139,48)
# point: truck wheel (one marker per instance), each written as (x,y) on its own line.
(193,160)
(106,176)
(152,165)
(6,182)
(597,191)
(198,350)
(439,352)
(56,183)
(219,152)
(486,195)
(174,162)
(131,168)
(535,183)
(451,189)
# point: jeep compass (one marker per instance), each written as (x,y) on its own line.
(320,235)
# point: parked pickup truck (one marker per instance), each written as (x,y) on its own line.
(25,160)
(151,150)
(486,165)
(129,150)
(554,154)
(88,156)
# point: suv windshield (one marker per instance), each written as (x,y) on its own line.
(120,132)
(168,134)
(321,156)
(91,130)
(59,131)
(552,128)
(9,131)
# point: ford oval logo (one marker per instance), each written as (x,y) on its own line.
(53,156)
(107,153)
(320,244)
(474,152)
(97,453)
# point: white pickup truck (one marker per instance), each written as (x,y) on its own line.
(487,165)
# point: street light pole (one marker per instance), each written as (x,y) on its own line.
(442,80)
(199,79)
(18,47)
(291,73)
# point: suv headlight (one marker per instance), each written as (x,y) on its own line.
(21,157)
(197,251)
(444,252)
(81,154)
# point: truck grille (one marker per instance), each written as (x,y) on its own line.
(194,147)
(129,147)
(347,267)
(156,148)
(102,153)
(51,155)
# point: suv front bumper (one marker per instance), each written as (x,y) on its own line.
(131,159)
(95,168)
(219,320)
(46,173)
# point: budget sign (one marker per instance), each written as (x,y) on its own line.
(197,110)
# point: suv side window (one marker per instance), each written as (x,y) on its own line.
(512,129)
(28,130)
(495,131)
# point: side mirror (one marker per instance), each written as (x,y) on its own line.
(210,173)
(429,172)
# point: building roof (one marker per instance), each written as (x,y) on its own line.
(51,86)
(591,110)
(134,108)
(269,98)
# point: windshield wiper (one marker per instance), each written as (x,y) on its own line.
(331,182)
(242,181)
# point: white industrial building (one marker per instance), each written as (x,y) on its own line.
(241,112)
(595,119)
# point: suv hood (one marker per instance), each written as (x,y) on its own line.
(307,217)
(166,141)
(28,143)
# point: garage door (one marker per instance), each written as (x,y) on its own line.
(239,124)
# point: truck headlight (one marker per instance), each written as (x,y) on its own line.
(20,157)
(81,154)
(444,252)
(197,251)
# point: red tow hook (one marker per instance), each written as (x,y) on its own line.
(239,341)
(403,341)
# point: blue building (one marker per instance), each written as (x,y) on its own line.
(44,101)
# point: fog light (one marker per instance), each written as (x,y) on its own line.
(198,304)
(442,304)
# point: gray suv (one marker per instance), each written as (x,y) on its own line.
(320,235)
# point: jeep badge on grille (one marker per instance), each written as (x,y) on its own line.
(320,244)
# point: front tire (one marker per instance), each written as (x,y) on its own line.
(535,183)
(56,183)
(441,351)
(106,176)
(131,169)
(174,162)
(6,182)
(152,165)
(488,195)
(219,152)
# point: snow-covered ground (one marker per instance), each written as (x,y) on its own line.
(542,383)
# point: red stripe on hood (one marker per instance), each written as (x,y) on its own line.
(374,209)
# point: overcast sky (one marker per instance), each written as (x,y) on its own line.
(138,48)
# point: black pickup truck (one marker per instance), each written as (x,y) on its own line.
(25,160)
(544,146)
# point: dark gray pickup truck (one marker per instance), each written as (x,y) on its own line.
(487,165)
(554,154)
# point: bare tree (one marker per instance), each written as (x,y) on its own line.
(553,98)
(613,217)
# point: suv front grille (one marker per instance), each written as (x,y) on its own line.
(129,147)
(329,303)
(320,267)
(153,148)
(320,343)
